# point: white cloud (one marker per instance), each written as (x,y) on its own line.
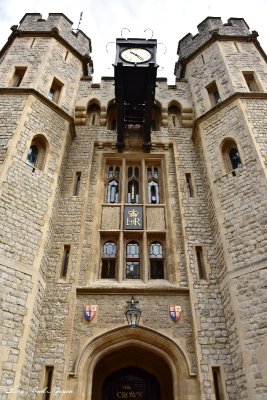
(103,21)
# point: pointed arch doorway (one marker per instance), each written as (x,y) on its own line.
(132,373)
(107,356)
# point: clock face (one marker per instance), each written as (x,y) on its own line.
(136,55)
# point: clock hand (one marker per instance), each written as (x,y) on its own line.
(137,55)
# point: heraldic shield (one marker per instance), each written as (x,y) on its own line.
(90,312)
(175,312)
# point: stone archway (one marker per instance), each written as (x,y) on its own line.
(140,347)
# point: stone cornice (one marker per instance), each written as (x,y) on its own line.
(225,103)
(162,291)
(45,100)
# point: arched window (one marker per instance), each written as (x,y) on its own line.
(93,114)
(133,260)
(152,185)
(156,260)
(109,260)
(133,195)
(37,152)
(113,177)
(231,157)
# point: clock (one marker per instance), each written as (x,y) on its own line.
(136,55)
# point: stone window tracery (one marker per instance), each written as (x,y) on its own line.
(153,185)
(134,197)
(113,184)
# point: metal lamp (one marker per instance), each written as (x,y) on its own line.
(133,313)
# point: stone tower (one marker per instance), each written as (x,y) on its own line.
(87,231)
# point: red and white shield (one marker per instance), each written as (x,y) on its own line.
(90,312)
(175,312)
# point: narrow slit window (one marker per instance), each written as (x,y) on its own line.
(217,382)
(77,183)
(189,185)
(200,262)
(55,90)
(18,76)
(66,56)
(65,261)
(32,43)
(251,82)
(214,94)
(49,370)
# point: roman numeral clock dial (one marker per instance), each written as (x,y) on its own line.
(136,55)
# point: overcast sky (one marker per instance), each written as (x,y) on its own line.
(169,20)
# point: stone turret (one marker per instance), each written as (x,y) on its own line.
(208,31)
(59,24)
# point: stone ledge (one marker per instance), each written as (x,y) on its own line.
(144,290)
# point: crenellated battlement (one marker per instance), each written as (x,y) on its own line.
(33,22)
(206,30)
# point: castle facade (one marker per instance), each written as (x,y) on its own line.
(133,274)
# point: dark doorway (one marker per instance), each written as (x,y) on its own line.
(135,367)
(131,383)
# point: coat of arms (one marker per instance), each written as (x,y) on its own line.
(90,312)
(175,312)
